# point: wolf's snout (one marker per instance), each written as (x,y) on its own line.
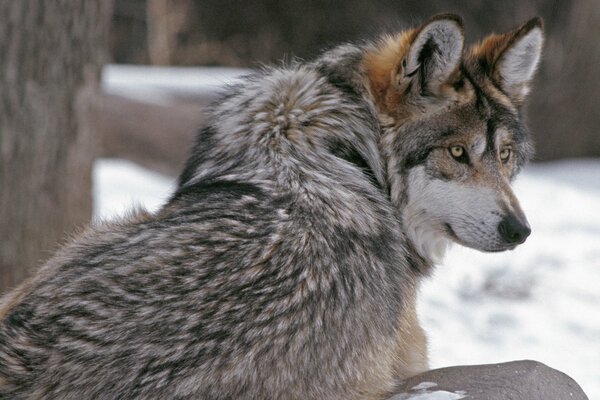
(514,230)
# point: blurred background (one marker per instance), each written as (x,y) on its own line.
(100,101)
(243,34)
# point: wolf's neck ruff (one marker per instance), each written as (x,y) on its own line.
(429,240)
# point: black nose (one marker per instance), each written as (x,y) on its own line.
(513,230)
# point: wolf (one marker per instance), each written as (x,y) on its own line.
(287,262)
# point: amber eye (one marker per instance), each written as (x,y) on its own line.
(505,154)
(459,154)
(457,151)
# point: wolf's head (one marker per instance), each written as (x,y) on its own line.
(454,136)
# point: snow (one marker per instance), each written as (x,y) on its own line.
(425,394)
(121,185)
(540,301)
(156,84)
(435,395)
(424,385)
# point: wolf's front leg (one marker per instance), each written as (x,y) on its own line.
(412,346)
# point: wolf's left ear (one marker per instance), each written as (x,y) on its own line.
(511,59)
(434,53)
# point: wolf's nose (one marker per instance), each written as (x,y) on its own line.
(513,230)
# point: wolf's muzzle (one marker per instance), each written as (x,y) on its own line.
(513,229)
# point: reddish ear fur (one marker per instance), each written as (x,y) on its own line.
(383,64)
(395,60)
(510,59)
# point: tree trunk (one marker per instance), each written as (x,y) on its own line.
(565,101)
(50,58)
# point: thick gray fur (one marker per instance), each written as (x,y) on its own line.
(278,269)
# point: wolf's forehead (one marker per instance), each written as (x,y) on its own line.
(501,136)
(483,142)
(498,131)
(495,110)
(486,90)
(482,128)
(479,145)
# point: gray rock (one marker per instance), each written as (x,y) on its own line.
(515,380)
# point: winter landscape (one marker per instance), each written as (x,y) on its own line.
(115,83)
(540,301)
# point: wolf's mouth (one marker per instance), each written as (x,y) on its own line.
(501,249)
(450,232)
(453,236)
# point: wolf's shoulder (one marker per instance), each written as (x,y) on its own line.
(283,96)
(287,120)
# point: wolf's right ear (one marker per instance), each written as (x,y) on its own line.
(511,59)
(434,54)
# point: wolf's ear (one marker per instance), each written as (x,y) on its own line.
(512,58)
(405,67)
(434,54)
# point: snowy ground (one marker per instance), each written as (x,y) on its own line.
(161,85)
(541,301)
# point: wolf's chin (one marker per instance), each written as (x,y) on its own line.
(484,247)
(429,241)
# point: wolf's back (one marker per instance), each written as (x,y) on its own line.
(258,278)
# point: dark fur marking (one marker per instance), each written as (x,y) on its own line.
(450,231)
(204,142)
(216,188)
(416,158)
(352,156)
(339,81)
(497,115)
(501,116)
(429,49)
(19,317)
(448,133)
(480,97)
(491,126)
(459,84)
(338,148)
